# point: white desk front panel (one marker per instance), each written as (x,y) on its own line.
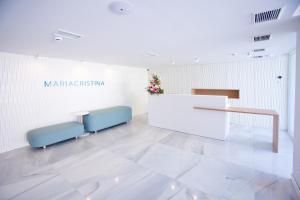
(175,112)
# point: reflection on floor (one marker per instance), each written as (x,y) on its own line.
(139,162)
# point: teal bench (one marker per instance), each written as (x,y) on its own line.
(41,137)
(104,118)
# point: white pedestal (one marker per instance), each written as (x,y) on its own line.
(175,112)
(80,115)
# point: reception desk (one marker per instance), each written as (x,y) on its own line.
(176,112)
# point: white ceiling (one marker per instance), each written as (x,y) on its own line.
(175,30)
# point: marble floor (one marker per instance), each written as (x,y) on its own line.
(138,162)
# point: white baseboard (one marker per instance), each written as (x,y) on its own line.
(296,186)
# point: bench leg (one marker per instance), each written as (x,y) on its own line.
(275,133)
(44,147)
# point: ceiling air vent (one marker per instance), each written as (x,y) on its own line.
(257,56)
(67,35)
(261,38)
(258,50)
(267,15)
(150,54)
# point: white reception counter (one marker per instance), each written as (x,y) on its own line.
(175,112)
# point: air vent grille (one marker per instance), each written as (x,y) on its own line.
(67,35)
(257,56)
(261,38)
(151,54)
(267,15)
(258,50)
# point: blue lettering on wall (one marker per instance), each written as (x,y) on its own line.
(75,83)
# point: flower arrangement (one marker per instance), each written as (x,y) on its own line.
(154,85)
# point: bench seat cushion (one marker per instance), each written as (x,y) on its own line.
(104,118)
(55,133)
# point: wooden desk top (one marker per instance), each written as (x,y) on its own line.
(240,110)
(252,111)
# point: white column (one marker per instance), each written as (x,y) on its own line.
(296,161)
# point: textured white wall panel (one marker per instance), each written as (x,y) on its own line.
(26,104)
(256,79)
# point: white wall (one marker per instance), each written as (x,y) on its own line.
(291,92)
(296,155)
(26,104)
(256,79)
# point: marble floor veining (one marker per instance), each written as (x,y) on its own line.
(135,161)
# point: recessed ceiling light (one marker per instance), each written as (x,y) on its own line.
(58,38)
(120,7)
(173,62)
